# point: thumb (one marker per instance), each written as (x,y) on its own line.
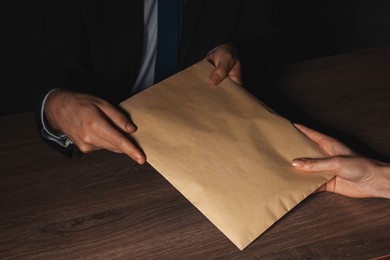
(350,168)
(219,73)
(316,164)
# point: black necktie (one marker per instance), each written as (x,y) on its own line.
(168,38)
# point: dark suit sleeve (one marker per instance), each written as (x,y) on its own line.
(89,46)
(64,59)
(249,24)
(65,62)
(255,38)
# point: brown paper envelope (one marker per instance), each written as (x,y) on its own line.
(223,150)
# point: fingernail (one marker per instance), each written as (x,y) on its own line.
(130,127)
(299,163)
(213,81)
(140,160)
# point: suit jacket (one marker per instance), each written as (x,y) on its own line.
(95,46)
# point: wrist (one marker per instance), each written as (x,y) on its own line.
(382,187)
(47,124)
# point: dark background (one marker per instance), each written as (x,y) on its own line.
(309,29)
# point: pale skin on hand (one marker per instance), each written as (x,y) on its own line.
(355,176)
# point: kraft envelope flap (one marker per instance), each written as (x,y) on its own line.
(224,150)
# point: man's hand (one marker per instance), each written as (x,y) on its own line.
(226,63)
(356,176)
(91,123)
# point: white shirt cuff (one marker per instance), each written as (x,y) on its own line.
(60,139)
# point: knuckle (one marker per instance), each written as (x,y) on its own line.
(85,139)
(84,148)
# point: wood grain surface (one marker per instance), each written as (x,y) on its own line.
(104,206)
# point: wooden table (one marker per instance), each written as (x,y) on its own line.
(104,206)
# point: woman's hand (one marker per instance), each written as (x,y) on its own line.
(355,176)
